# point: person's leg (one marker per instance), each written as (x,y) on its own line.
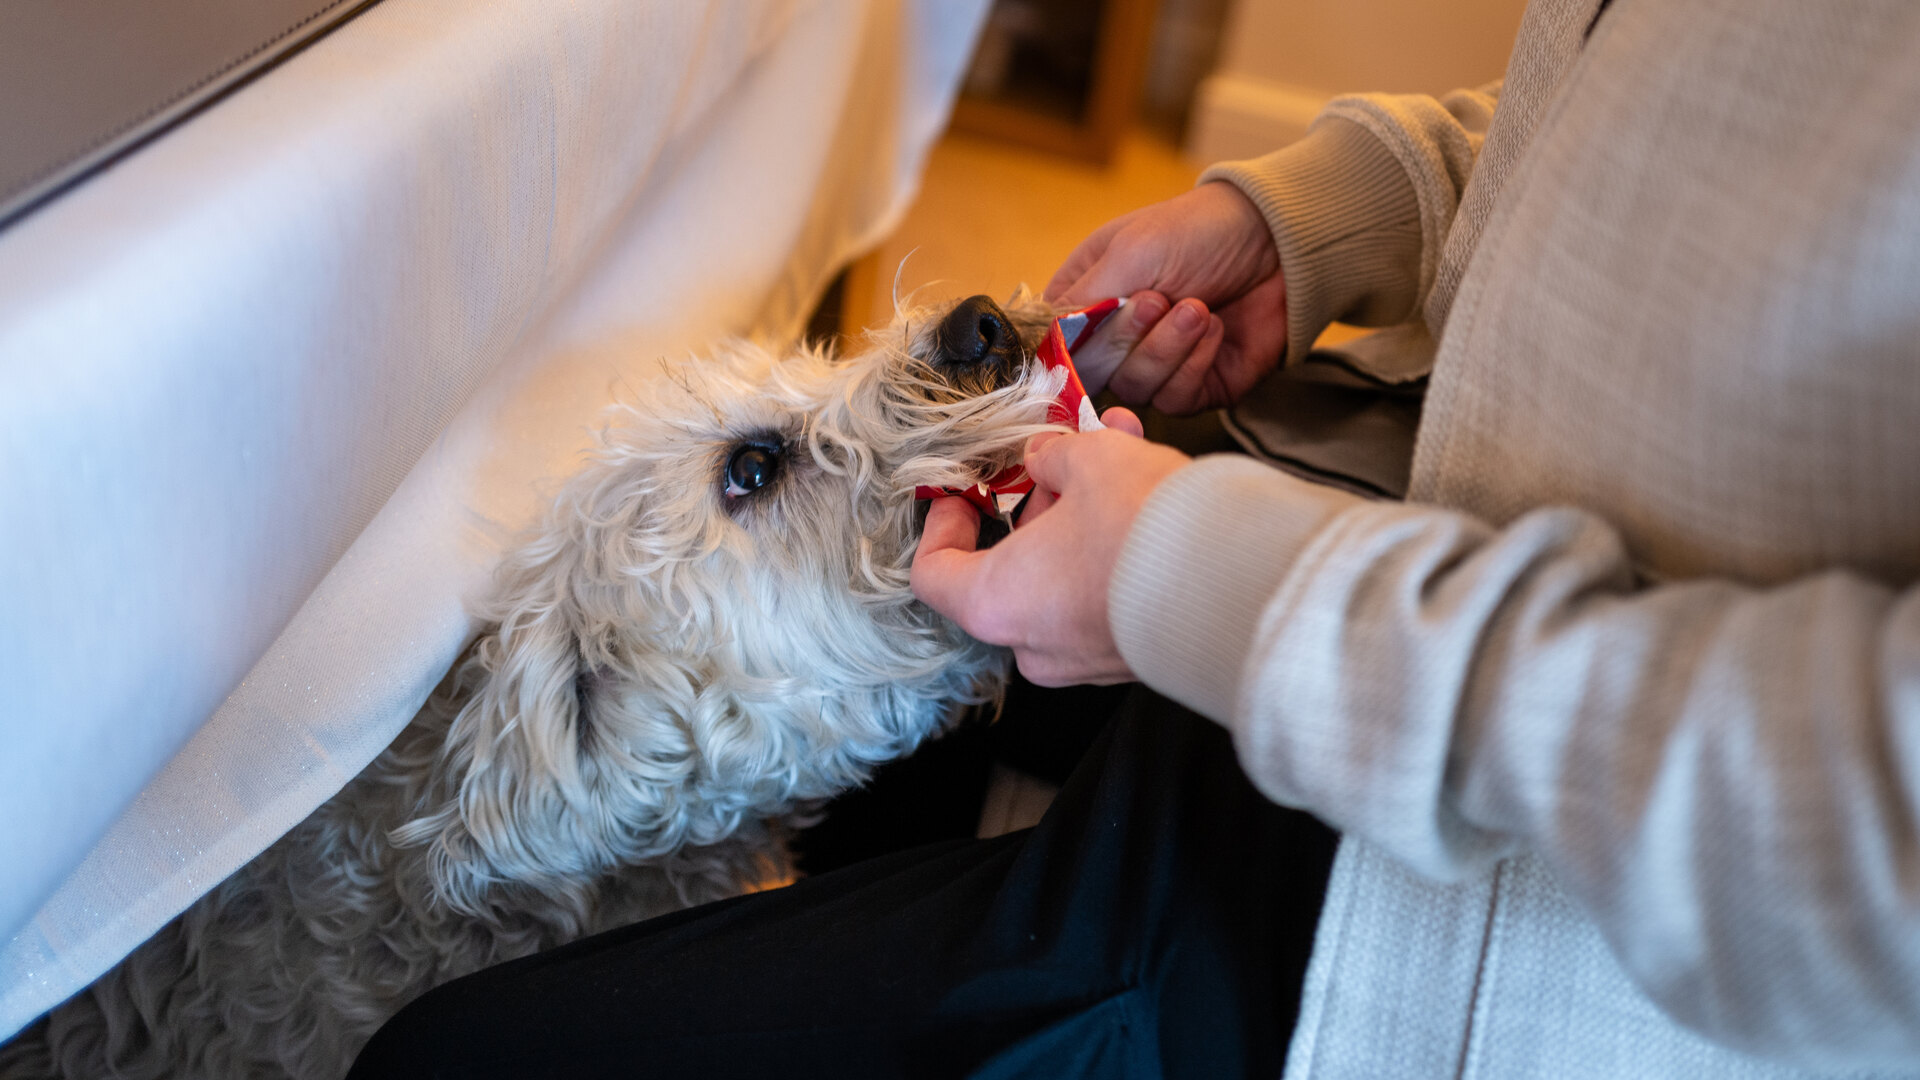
(1157,922)
(938,793)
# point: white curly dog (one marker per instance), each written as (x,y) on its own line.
(711,632)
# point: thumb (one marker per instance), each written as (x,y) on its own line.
(1120,265)
(1122,419)
(1064,284)
(1054,463)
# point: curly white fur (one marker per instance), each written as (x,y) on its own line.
(670,675)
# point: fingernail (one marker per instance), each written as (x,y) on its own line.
(1188,318)
(1148,308)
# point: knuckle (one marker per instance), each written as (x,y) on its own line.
(1130,386)
(1174,403)
(1040,670)
(1032,668)
(973,610)
(988,626)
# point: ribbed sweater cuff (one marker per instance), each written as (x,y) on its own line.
(1203,558)
(1346,220)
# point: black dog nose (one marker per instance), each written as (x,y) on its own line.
(976,332)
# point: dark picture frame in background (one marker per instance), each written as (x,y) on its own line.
(1058,75)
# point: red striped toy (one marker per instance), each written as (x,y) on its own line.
(1002,494)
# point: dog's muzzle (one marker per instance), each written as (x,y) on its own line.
(976,335)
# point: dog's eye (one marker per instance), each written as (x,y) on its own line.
(751,468)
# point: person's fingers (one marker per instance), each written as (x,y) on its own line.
(1090,252)
(1119,418)
(1040,669)
(1124,420)
(1185,390)
(1041,498)
(1070,272)
(945,565)
(952,525)
(1047,669)
(1037,504)
(1054,463)
(1133,255)
(1109,346)
(1121,270)
(1161,352)
(1256,336)
(1034,444)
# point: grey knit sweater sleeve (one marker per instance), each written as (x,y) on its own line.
(1653,619)
(1361,207)
(1721,774)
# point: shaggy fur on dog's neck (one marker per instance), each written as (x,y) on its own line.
(669,675)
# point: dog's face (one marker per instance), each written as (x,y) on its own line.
(716,621)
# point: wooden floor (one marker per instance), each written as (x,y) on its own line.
(992,216)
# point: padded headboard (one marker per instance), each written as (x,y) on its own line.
(84,81)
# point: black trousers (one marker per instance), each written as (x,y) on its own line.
(1156,923)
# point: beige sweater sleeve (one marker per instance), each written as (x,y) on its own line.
(1360,208)
(1703,765)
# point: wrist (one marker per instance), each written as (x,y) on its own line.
(1209,548)
(1344,220)
(1242,229)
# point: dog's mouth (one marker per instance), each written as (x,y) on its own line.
(977,338)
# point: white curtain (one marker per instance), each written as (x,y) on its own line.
(275,390)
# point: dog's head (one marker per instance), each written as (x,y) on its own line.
(714,624)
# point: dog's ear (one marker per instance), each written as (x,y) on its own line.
(512,773)
(572,749)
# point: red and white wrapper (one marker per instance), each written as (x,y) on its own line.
(1002,494)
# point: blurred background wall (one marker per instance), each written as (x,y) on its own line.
(1279,60)
(1075,111)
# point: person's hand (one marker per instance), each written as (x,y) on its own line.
(1043,589)
(1211,249)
